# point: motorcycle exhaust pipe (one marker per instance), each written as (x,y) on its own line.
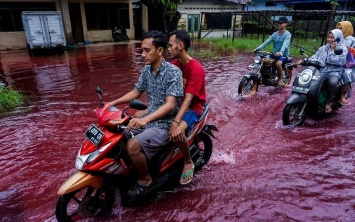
(80,180)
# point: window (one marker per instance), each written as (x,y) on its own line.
(10,13)
(102,16)
(219,20)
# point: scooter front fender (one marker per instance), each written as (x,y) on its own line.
(297,98)
(80,180)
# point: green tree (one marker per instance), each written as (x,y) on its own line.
(334,4)
(167,4)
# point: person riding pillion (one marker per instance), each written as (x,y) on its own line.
(194,97)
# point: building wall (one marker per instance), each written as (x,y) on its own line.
(191,7)
(12,40)
(17,39)
(99,36)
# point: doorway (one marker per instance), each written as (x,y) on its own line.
(137,21)
(76,22)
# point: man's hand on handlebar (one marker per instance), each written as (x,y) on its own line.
(136,123)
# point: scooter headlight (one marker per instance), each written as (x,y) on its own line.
(257,59)
(87,158)
(79,161)
(305,77)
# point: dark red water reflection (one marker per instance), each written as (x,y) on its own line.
(260,170)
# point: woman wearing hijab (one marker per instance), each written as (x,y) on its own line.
(348,75)
(334,64)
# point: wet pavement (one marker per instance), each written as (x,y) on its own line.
(260,169)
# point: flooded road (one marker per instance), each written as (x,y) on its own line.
(260,170)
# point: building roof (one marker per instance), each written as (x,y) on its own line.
(243,2)
(306,1)
(288,12)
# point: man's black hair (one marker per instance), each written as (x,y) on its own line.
(182,36)
(159,38)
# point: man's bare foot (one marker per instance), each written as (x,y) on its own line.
(344,102)
(328,109)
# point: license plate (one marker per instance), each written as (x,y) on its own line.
(94,134)
(300,89)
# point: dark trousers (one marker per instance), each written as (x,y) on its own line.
(331,84)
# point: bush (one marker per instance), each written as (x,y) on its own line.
(248,44)
(10,99)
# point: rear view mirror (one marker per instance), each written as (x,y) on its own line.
(301,51)
(99,90)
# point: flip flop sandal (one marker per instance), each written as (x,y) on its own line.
(137,190)
(190,174)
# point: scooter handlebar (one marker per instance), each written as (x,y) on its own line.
(262,53)
(313,62)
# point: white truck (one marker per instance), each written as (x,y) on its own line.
(43,30)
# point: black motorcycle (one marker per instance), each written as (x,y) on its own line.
(263,71)
(308,94)
(119,34)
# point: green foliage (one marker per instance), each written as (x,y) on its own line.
(168,4)
(10,99)
(249,44)
(204,53)
(333,2)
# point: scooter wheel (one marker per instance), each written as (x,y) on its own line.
(292,114)
(85,202)
(117,38)
(247,87)
(205,147)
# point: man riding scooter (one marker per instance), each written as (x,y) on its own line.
(163,83)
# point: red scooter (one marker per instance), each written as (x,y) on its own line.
(90,192)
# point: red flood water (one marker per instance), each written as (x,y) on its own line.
(260,170)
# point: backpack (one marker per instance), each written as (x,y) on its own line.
(350,58)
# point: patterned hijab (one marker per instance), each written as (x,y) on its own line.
(347,28)
(337,33)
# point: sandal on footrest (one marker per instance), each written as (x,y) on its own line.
(137,190)
(187,177)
